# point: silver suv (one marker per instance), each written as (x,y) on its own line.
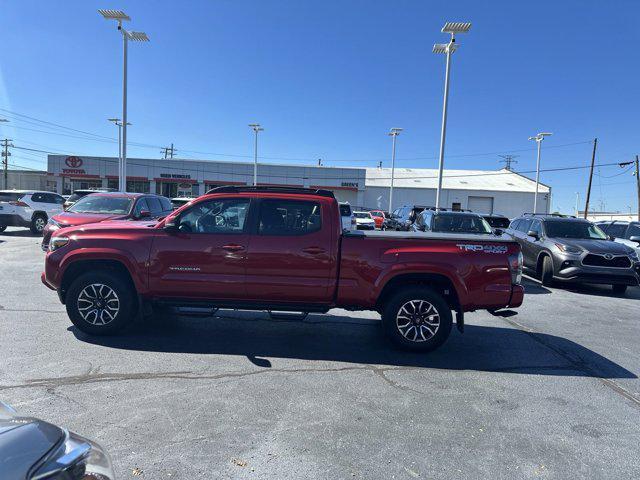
(567,249)
(28,208)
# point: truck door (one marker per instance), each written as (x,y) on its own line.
(292,253)
(205,259)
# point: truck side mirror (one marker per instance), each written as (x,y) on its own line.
(498,231)
(171,226)
(635,238)
(143,214)
(533,234)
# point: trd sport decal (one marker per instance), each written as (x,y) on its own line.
(469,247)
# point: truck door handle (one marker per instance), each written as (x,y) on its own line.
(232,248)
(313,250)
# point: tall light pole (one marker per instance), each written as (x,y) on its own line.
(256,128)
(577,202)
(394,132)
(538,139)
(117,122)
(447,48)
(120,16)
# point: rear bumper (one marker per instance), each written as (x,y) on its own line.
(13,220)
(517,296)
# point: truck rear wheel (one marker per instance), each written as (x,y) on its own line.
(100,303)
(418,319)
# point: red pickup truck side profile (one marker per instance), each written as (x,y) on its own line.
(279,249)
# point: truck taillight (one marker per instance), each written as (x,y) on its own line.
(19,203)
(515,267)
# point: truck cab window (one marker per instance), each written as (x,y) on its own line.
(289,217)
(215,216)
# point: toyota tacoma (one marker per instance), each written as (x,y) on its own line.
(279,249)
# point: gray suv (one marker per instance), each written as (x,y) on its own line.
(567,249)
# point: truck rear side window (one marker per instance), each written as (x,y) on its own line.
(289,217)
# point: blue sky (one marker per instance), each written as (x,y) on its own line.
(327,79)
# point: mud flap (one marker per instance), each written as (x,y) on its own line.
(460,320)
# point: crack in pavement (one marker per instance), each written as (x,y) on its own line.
(93,377)
(579,363)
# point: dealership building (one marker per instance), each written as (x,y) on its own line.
(500,191)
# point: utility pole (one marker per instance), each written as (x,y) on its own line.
(168,152)
(638,185)
(593,161)
(508,160)
(5,160)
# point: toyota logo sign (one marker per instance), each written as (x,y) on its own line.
(608,256)
(73,162)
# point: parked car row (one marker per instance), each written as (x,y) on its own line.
(42,211)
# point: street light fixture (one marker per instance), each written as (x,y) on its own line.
(256,128)
(393,133)
(120,16)
(538,139)
(451,28)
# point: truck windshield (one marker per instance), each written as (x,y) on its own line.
(585,230)
(102,204)
(460,224)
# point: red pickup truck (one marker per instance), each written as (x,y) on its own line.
(279,249)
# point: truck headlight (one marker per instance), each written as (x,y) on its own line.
(634,256)
(57,242)
(77,458)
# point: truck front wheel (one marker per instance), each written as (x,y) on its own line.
(417,318)
(100,303)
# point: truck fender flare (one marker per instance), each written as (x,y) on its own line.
(402,269)
(90,254)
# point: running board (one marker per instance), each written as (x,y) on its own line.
(287,316)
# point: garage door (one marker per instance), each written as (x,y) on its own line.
(480,204)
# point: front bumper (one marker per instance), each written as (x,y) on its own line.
(599,275)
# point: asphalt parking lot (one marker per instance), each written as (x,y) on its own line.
(549,392)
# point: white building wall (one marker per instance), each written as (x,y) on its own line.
(510,204)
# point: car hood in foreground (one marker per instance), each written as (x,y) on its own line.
(24,441)
(70,219)
(596,246)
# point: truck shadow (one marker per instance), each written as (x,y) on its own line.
(339,338)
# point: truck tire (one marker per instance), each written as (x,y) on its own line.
(100,303)
(417,318)
(38,222)
(546,275)
(619,289)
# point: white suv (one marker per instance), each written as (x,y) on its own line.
(28,208)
